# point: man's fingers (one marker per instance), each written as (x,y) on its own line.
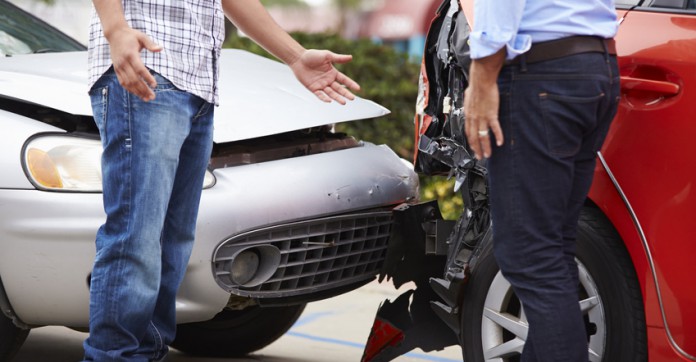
(143,84)
(478,134)
(335,92)
(340,58)
(479,137)
(142,90)
(322,96)
(149,44)
(348,82)
(334,95)
(498,133)
(343,91)
(472,138)
(147,77)
(485,141)
(316,72)
(135,68)
(134,81)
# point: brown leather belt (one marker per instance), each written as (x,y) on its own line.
(558,48)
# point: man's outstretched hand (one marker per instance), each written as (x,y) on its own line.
(315,70)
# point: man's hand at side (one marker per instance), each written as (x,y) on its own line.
(481,104)
(125,44)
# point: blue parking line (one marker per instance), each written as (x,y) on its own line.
(362,346)
(310,317)
(325,339)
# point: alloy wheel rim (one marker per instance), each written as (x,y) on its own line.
(504,325)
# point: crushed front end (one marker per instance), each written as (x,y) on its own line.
(436,255)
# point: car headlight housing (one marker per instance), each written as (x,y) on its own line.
(69,163)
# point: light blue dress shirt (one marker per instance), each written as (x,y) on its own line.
(516,24)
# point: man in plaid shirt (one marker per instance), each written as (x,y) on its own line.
(153,69)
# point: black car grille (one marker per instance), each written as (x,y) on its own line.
(316,255)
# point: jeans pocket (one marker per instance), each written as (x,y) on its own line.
(567,119)
(99,97)
(163,84)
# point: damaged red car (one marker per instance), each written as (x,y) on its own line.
(635,241)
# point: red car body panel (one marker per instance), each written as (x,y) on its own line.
(650,152)
(646,181)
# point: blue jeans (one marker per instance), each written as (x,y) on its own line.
(555,115)
(153,165)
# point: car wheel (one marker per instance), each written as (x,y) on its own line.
(494,326)
(234,333)
(11,338)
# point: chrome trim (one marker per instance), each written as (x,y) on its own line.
(646,247)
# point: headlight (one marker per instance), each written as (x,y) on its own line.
(65,163)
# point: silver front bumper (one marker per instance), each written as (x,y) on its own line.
(47,243)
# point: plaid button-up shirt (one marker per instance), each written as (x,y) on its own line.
(191,33)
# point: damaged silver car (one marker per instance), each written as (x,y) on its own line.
(291,212)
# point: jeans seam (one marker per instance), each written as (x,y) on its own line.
(105,107)
(124,241)
(511,133)
(157,337)
(202,111)
(513,155)
(129,117)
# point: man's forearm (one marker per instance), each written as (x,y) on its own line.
(252,18)
(484,71)
(111,15)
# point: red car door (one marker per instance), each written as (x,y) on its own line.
(651,152)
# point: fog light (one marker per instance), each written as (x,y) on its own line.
(244,266)
(254,265)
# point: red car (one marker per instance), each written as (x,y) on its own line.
(636,245)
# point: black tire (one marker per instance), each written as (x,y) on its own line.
(235,333)
(616,323)
(11,338)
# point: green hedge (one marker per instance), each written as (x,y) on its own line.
(389,78)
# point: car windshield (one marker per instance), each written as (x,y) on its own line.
(21,33)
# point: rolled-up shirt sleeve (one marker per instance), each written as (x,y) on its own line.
(496,24)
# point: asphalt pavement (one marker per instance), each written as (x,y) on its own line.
(332,330)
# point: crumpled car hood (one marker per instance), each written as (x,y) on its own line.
(258,96)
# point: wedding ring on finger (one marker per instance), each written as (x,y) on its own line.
(483,133)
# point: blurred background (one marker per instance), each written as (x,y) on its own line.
(385,37)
